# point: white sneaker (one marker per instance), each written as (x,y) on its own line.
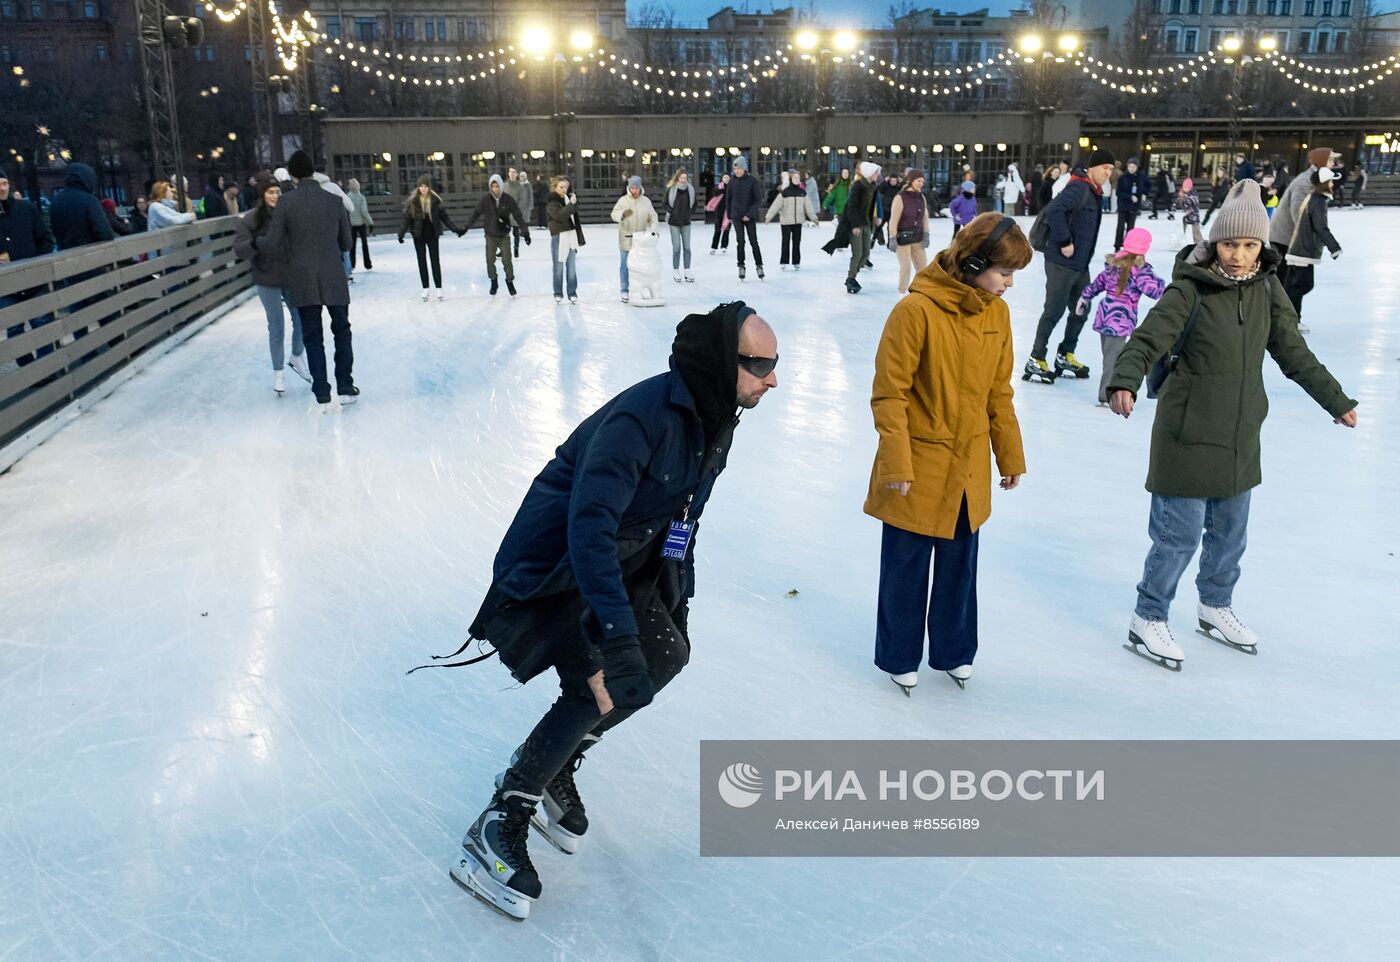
(425,297)
(439,295)
(1227,625)
(907,681)
(1156,637)
(278,384)
(960,674)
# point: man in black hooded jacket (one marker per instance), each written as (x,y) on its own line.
(594,577)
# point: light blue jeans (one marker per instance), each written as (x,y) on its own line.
(272,299)
(680,242)
(561,269)
(1175,526)
(998,202)
(622,271)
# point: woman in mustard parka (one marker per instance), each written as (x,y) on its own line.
(942,405)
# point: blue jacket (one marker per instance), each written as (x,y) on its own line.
(611,491)
(1073,217)
(22,230)
(76,213)
(1132,188)
(744,198)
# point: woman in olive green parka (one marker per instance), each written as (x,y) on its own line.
(1205,437)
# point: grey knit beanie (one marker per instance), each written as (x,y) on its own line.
(1241,215)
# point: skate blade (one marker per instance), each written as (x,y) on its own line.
(1247,649)
(565,841)
(1170,664)
(962,682)
(907,689)
(477,889)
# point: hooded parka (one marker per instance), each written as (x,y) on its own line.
(1205,436)
(942,405)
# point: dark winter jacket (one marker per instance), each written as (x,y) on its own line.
(1218,192)
(139,221)
(214,203)
(1310,232)
(1245,171)
(560,217)
(76,214)
(884,198)
(1131,189)
(309,231)
(434,224)
(744,198)
(860,204)
(1033,185)
(1074,218)
(496,214)
(267,269)
(679,203)
(22,231)
(1205,437)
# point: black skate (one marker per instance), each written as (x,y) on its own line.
(561,818)
(494,863)
(852,286)
(1038,371)
(741,272)
(1067,365)
(495,285)
(759,269)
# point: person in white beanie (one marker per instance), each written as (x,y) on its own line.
(1223,311)
(861,220)
(1310,236)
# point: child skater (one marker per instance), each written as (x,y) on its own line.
(1124,280)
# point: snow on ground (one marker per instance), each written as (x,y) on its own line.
(211,595)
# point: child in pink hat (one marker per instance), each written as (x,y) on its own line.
(1125,278)
(1190,205)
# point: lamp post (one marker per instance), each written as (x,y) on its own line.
(1238,61)
(538,42)
(823,50)
(1035,50)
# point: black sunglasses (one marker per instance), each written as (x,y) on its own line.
(758,366)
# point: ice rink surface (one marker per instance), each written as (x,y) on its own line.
(211,595)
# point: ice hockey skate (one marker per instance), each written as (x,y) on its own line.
(1038,371)
(1153,640)
(961,675)
(561,817)
(494,862)
(907,681)
(1224,626)
(1067,365)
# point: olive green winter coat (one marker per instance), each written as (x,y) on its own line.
(1205,438)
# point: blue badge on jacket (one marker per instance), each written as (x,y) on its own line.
(677,540)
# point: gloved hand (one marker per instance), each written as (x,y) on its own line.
(400,238)
(625,672)
(462,232)
(1336,254)
(527,239)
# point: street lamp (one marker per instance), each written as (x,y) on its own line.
(823,49)
(581,40)
(1035,50)
(536,41)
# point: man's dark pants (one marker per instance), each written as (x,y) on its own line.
(1063,285)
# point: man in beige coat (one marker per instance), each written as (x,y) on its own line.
(633,214)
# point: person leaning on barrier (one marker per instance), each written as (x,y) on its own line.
(23,235)
(595,575)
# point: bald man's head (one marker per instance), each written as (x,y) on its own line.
(757,343)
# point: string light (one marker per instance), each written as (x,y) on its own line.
(1005,56)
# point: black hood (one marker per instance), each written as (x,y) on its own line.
(706,353)
(81,176)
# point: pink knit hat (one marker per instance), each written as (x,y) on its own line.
(1137,241)
(1187,185)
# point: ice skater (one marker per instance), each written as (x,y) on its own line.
(565,236)
(425,217)
(909,235)
(270,282)
(1124,280)
(1223,311)
(497,210)
(945,352)
(1189,202)
(963,208)
(743,200)
(720,241)
(791,209)
(633,214)
(680,201)
(594,577)
(1311,235)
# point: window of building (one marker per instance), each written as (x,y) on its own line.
(1339,43)
(1327,8)
(7,8)
(471,28)
(429,29)
(198,55)
(1305,42)
(1271,8)
(99,53)
(1189,40)
(5,54)
(36,9)
(1171,37)
(1309,8)
(1174,6)
(1193,7)
(1214,39)
(89,9)
(1217,7)
(461,27)
(1285,8)
(366,29)
(1156,6)
(1324,40)
(1232,7)
(333,27)
(1344,8)
(969,51)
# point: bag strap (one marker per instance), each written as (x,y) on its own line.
(1185,334)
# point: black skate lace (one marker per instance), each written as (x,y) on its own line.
(515,831)
(562,786)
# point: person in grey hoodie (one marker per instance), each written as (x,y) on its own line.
(518,186)
(1286,215)
(360,223)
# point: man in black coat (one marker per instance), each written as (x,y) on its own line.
(1132,187)
(22,236)
(744,202)
(496,210)
(594,577)
(310,232)
(77,215)
(1073,220)
(214,203)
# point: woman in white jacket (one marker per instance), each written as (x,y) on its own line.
(792,208)
(633,214)
(1011,189)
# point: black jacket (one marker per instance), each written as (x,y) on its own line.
(496,214)
(1073,218)
(678,213)
(744,198)
(77,215)
(560,217)
(1132,188)
(267,268)
(436,223)
(22,230)
(860,204)
(1311,233)
(214,203)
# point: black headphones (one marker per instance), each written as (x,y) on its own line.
(981,259)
